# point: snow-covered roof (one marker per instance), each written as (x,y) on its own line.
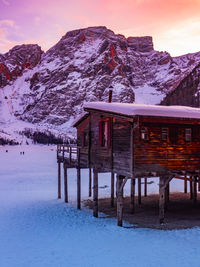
(79,118)
(145,110)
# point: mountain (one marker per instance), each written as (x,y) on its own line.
(45,91)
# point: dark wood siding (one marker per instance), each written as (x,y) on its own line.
(174,154)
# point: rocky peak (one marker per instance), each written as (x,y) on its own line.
(16,60)
(81,67)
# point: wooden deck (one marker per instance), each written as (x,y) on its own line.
(68,154)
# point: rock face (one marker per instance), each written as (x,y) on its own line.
(50,88)
(141,44)
(187,93)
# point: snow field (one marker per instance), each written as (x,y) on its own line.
(37,229)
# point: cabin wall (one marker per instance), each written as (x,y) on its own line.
(159,156)
(101,157)
(83,128)
(121,145)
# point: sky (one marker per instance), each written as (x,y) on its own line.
(173,24)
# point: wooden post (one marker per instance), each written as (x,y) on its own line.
(139,191)
(145,187)
(95,193)
(59,180)
(78,188)
(119,200)
(132,196)
(191,189)
(112,188)
(195,190)
(90,182)
(65,183)
(161,200)
(185,185)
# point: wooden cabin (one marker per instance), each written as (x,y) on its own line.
(137,141)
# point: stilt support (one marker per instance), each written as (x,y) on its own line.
(195,190)
(185,185)
(119,200)
(162,199)
(145,187)
(65,183)
(199,183)
(191,187)
(59,181)
(139,191)
(132,196)
(78,188)
(112,189)
(95,193)
(90,182)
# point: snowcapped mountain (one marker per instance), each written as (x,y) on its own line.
(47,90)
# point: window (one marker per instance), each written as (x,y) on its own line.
(164,134)
(104,133)
(144,134)
(188,134)
(85,139)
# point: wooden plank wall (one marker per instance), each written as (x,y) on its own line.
(121,145)
(179,155)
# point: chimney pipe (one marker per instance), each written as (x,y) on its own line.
(110,94)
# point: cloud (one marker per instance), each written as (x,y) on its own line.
(5,2)
(7,22)
(6,28)
(37,20)
(182,38)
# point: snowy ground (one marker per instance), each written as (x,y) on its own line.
(36,229)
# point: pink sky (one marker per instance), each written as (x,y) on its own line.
(174,24)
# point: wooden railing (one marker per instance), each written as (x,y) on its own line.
(67,152)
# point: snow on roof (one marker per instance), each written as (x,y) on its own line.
(79,118)
(145,110)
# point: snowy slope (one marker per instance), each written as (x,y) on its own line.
(37,229)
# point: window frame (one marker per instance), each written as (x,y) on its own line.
(166,134)
(188,136)
(144,135)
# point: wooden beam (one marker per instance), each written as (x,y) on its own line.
(139,191)
(65,183)
(59,180)
(90,182)
(145,187)
(132,195)
(162,199)
(78,188)
(95,193)
(119,200)
(112,188)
